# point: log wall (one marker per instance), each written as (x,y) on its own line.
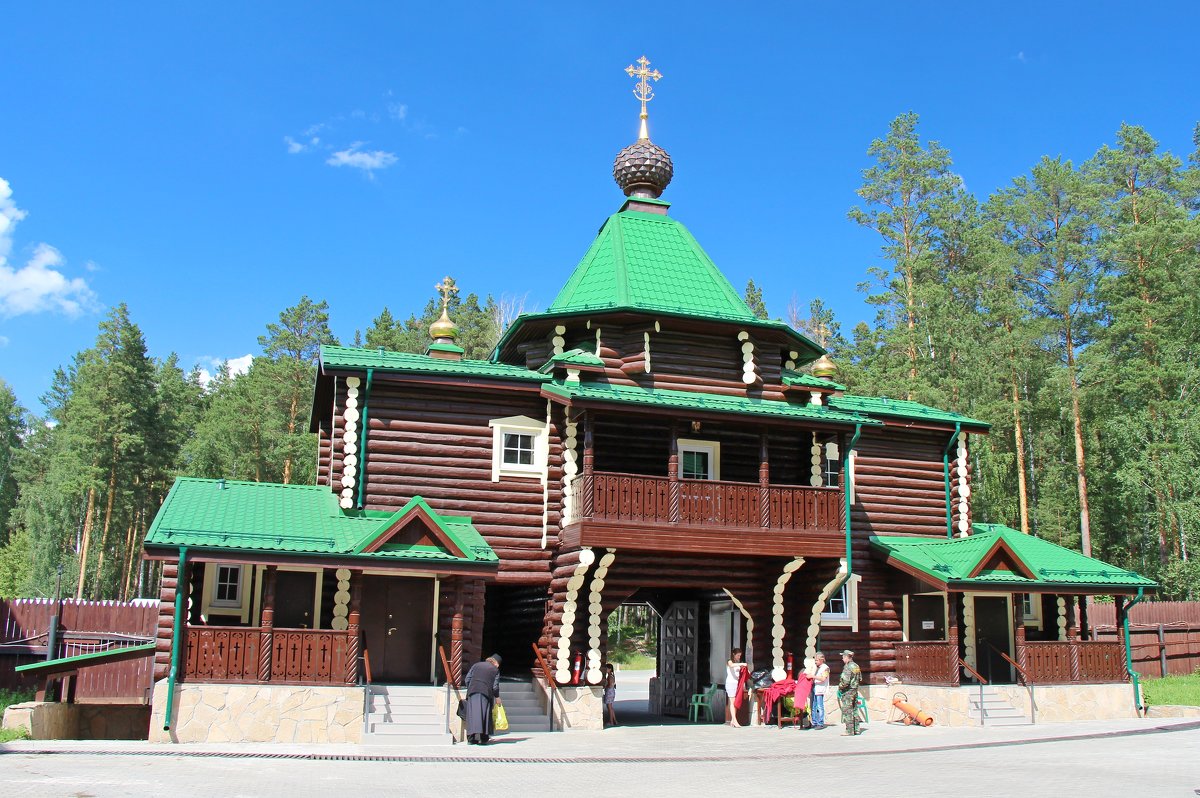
(899,487)
(435,442)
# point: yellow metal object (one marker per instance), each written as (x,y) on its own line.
(642,89)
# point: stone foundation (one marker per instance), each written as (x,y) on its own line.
(576,707)
(949,705)
(56,721)
(259,713)
(1172,711)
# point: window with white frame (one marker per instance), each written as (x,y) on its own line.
(225,591)
(227,587)
(841,609)
(519,447)
(1031,609)
(699,459)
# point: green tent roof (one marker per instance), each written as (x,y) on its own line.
(790,377)
(969,563)
(703,402)
(899,408)
(298,520)
(345,357)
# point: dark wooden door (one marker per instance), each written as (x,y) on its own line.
(677,647)
(295,592)
(926,617)
(992,624)
(397,628)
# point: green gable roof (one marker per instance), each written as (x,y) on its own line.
(899,408)
(298,520)
(790,377)
(704,402)
(951,563)
(345,357)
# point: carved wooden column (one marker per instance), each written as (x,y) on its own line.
(952,637)
(589,476)
(1019,630)
(1120,624)
(353,618)
(1072,637)
(267,636)
(1085,624)
(764,481)
(673,476)
(457,626)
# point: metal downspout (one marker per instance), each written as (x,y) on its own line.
(362,439)
(847,489)
(946,477)
(176,636)
(1133,675)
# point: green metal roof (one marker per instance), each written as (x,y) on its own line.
(899,408)
(790,377)
(951,562)
(573,357)
(345,357)
(705,402)
(296,519)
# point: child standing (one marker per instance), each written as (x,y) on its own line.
(610,692)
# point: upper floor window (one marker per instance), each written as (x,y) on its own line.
(699,459)
(519,447)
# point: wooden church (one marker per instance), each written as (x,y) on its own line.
(645,439)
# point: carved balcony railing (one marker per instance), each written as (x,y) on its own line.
(235,654)
(650,500)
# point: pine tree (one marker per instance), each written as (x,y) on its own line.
(754,301)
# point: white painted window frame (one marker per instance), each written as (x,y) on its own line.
(519,425)
(849,618)
(209,603)
(1034,616)
(711,448)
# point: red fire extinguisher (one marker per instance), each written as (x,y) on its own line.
(578,670)
(789,666)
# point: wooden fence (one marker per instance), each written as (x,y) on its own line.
(84,627)
(1164,635)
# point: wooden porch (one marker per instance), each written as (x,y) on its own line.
(937,662)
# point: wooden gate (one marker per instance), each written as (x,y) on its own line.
(677,657)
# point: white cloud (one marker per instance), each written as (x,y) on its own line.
(237,366)
(368,161)
(1020,56)
(38,286)
(3,341)
(398,111)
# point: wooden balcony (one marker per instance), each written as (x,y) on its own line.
(1054,662)
(295,656)
(635,511)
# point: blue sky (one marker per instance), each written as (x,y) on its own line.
(209,163)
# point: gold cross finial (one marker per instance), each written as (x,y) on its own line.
(642,89)
(446,288)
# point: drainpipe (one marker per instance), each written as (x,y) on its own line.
(176,635)
(946,477)
(1133,675)
(847,487)
(362,445)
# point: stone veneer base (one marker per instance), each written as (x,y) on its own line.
(59,721)
(259,713)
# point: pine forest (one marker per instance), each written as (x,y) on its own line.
(1064,309)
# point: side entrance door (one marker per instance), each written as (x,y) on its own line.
(993,621)
(397,624)
(677,649)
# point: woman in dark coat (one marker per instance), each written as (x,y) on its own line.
(483,689)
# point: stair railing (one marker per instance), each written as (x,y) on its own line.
(366,672)
(553,686)
(451,682)
(1026,682)
(982,681)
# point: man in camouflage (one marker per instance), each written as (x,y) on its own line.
(848,692)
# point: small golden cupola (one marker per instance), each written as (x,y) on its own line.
(444,330)
(824,367)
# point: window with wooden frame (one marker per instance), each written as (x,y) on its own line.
(519,447)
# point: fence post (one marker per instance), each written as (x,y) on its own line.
(1162,650)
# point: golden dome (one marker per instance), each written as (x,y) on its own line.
(443,328)
(824,367)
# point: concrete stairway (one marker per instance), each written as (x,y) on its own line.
(995,709)
(401,715)
(523,707)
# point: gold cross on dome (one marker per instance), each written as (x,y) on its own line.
(642,89)
(446,288)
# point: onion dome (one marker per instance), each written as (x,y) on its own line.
(824,367)
(643,169)
(443,330)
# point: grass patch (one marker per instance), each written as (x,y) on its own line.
(638,662)
(1173,690)
(13,697)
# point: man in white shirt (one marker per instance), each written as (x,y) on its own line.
(820,686)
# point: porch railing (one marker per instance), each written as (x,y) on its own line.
(297,656)
(1046,662)
(642,499)
(925,662)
